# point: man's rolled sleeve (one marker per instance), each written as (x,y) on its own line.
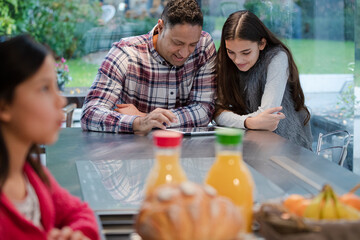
(98,111)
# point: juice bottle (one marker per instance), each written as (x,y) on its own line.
(229,174)
(167,168)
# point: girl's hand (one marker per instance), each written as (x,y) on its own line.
(66,233)
(267,120)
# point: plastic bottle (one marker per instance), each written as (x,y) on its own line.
(167,168)
(229,175)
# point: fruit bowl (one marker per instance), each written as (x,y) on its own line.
(325,216)
(276,222)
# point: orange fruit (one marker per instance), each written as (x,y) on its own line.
(300,209)
(293,201)
(351,199)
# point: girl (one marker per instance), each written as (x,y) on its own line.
(32,204)
(256,74)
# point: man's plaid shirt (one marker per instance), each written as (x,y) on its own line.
(134,72)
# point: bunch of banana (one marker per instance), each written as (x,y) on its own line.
(326,205)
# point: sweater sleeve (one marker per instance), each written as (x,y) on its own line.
(277,76)
(71,212)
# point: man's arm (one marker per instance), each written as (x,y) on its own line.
(201,104)
(97,113)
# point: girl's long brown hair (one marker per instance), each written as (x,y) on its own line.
(20,58)
(247,26)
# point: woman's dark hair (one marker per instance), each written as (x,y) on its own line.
(20,58)
(182,11)
(247,26)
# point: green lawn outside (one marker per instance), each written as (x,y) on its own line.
(83,73)
(311,57)
(322,57)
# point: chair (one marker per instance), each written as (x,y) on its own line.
(69,110)
(108,12)
(333,145)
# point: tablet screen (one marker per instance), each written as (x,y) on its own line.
(195,131)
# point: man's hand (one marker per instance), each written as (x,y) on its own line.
(129,109)
(159,118)
(267,120)
(66,233)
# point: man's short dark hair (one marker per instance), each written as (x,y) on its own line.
(182,11)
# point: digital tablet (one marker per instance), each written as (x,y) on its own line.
(195,131)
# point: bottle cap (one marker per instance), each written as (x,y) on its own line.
(229,136)
(164,138)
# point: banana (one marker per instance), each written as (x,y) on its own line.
(329,210)
(326,205)
(348,212)
(343,211)
(314,209)
(353,214)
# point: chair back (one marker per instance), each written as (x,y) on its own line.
(68,111)
(333,145)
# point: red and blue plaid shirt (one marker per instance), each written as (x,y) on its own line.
(133,72)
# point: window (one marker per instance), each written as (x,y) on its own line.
(320,33)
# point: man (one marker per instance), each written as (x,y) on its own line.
(160,79)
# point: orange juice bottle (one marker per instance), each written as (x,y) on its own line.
(229,174)
(167,168)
